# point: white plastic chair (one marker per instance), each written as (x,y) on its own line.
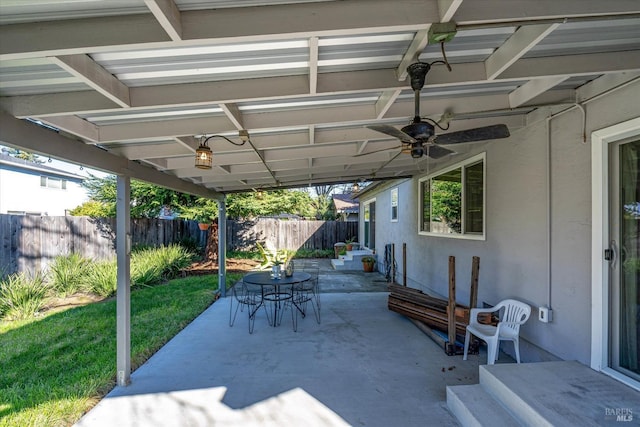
(515,314)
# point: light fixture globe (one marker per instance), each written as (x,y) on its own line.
(204,157)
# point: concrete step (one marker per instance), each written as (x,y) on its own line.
(557,393)
(563,393)
(352,260)
(474,407)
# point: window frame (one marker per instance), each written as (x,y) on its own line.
(46,181)
(462,165)
(394,218)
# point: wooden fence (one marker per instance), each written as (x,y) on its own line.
(29,243)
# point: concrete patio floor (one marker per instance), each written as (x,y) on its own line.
(363,365)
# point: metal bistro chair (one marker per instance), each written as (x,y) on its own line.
(515,314)
(309,291)
(250,297)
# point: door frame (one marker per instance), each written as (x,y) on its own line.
(600,141)
(366,204)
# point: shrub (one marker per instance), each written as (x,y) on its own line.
(145,268)
(68,274)
(190,244)
(145,274)
(102,278)
(22,296)
(172,259)
(253,255)
(314,253)
(151,266)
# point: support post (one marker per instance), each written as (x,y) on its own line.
(123,292)
(451,321)
(393,263)
(222,247)
(475,271)
(404,264)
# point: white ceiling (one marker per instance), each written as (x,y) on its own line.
(142,80)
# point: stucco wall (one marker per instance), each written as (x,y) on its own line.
(21,191)
(514,256)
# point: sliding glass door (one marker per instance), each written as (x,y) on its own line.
(624,258)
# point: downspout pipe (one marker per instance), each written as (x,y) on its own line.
(550,175)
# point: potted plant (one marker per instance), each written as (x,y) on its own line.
(367,263)
(350,241)
(204,215)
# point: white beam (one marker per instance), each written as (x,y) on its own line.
(313,65)
(416,47)
(515,47)
(235,91)
(171,128)
(222,247)
(476,12)
(309,19)
(75,125)
(605,83)
(312,134)
(232,25)
(168,15)
(31,137)
(189,142)
(297,118)
(95,76)
(385,101)
(56,103)
(532,89)
(149,151)
(575,65)
(123,288)
(233,113)
(79,36)
(221,159)
(225,25)
(448,8)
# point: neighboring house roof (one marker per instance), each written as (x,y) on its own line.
(344,203)
(37,167)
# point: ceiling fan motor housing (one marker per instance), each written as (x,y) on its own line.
(417,150)
(418,72)
(421,131)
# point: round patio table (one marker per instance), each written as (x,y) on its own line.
(272,290)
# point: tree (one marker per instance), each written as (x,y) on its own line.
(252,204)
(446,199)
(24,155)
(146,199)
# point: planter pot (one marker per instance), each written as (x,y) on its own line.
(203,226)
(338,248)
(368,266)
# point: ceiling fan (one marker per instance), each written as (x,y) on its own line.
(418,138)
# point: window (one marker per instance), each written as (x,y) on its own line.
(50,182)
(452,201)
(394,205)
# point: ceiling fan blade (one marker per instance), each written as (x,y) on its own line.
(391,131)
(376,151)
(436,152)
(473,135)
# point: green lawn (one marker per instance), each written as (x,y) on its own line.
(55,367)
